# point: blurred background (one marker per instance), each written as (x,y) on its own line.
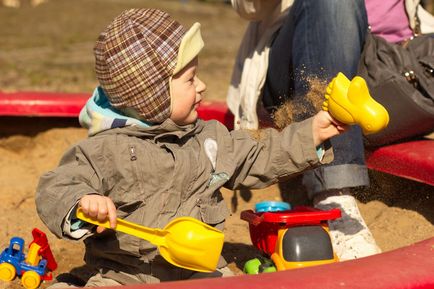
(429,5)
(48,45)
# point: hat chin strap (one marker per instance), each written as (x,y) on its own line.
(191,45)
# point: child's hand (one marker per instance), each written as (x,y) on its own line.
(324,126)
(99,207)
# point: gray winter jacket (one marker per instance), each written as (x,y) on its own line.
(162,172)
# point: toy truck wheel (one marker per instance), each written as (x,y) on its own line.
(252,266)
(259,265)
(7,272)
(31,280)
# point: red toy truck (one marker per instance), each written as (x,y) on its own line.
(293,238)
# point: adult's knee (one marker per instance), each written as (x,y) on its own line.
(348,6)
(347,10)
(347,13)
(350,10)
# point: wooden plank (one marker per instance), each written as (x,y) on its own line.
(217,110)
(412,160)
(408,267)
(42,104)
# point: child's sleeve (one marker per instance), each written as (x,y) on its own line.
(75,228)
(61,189)
(265,156)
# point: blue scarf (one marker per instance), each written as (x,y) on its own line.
(98,115)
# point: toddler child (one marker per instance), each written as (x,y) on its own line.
(149,158)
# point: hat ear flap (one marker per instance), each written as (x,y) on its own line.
(191,45)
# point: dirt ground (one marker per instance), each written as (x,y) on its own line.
(49,49)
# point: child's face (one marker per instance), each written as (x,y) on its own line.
(187,91)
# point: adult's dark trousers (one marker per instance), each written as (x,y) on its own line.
(318,39)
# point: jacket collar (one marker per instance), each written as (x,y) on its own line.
(159,132)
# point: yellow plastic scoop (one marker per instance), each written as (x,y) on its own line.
(350,103)
(184,242)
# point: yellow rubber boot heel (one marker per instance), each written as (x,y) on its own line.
(351,103)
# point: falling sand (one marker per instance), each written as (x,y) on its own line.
(298,107)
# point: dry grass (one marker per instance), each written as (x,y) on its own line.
(49,47)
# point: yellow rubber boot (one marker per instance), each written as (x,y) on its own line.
(350,102)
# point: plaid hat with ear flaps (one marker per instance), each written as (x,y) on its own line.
(134,59)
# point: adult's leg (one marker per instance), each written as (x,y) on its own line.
(319,39)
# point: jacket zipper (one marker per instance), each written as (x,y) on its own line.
(133,155)
(133,158)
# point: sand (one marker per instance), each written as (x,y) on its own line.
(398,212)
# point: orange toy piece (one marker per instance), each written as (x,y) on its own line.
(350,102)
(303,246)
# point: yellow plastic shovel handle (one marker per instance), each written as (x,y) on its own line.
(154,236)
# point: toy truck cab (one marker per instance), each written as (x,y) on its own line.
(11,258)
(14,253)
(303,246)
